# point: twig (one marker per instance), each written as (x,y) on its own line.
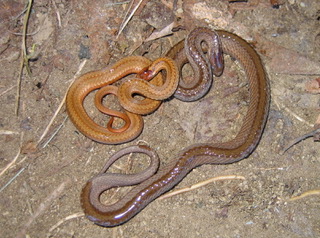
(12,179)
(306,194)
(73,216)
(201,184)
(116,3)
(292,113)
(56,132)
(29,34)
(300,138)
(128,17)
(25,57)
(7,90)
(10,164)
(62,102)
(7,132)
(57,12)
(44,206)
(21,13)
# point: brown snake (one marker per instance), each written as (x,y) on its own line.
(190,51)
(210,153)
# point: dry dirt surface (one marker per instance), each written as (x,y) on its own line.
(42,173)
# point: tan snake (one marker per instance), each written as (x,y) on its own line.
(154,92)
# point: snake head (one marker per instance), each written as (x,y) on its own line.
(217,62)
(146,74)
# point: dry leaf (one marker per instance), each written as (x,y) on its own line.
(158,34)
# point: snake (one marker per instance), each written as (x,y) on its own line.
(145,71)
(149,90)
(169,175)
(191,51)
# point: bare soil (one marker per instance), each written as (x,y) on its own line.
(52,172)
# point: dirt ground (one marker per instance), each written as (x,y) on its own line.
(48,173)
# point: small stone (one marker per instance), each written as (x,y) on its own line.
(158,15)
(84,52)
